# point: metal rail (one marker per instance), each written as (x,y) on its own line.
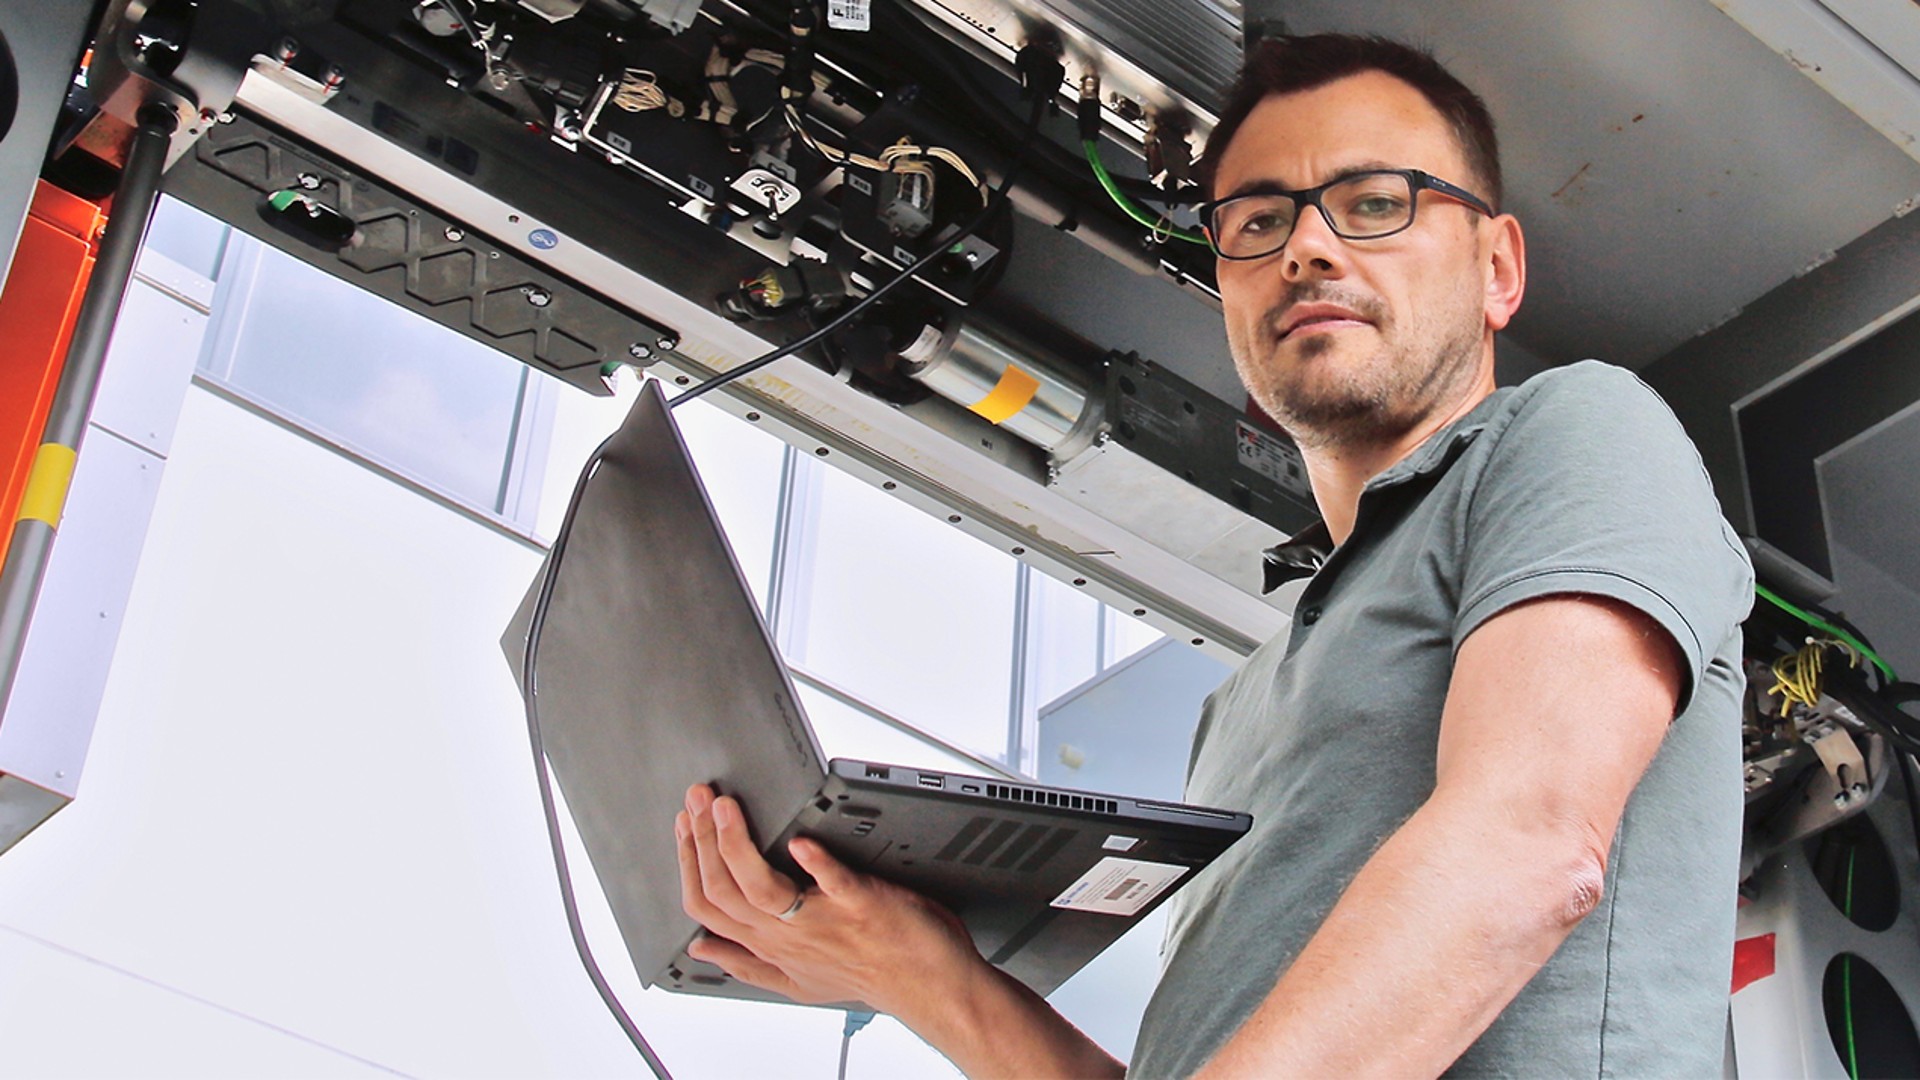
(33,532)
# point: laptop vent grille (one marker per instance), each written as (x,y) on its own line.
(1053,798)
(1011,845)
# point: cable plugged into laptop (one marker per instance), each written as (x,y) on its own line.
(856,1019)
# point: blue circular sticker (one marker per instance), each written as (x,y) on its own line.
(544,239)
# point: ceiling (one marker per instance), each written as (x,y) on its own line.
(1668,167)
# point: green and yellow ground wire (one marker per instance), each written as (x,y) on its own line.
(1160,225)
(1821,624)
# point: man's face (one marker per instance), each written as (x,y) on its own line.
(1354,342)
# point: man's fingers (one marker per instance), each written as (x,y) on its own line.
(826,871)
(737,961)
(764,887)
(716,879)
(693,897)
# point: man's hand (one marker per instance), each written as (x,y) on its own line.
(856,938)
(853,938)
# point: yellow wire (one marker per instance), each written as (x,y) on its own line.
(902,157)
(639,92)
(1797,675)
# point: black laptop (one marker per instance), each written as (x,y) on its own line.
(656,671)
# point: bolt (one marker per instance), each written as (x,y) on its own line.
(537,296)
(455,233)
(289,49)
(668,342)
(640,351)
(226,118)
(335,76)
(309,181)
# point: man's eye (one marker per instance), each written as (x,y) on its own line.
(1263,221)
(1378,206)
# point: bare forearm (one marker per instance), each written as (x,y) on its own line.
(997,1027)
(1438,932)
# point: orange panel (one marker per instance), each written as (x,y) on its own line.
(38,307)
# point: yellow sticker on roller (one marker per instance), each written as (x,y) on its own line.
(1011,394)
(47,484)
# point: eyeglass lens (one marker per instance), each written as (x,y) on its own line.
(1359,207)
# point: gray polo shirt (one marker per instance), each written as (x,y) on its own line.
(1579,481)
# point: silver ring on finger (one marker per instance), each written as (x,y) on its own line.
(799,901)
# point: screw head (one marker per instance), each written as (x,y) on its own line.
(537,296)
(455,233)
(667,343)
(225,118)
(640,351)
(308,181)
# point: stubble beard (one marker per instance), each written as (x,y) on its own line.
(1329,401)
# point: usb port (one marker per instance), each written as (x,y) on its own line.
(932,780)
(876,772)
(971,789)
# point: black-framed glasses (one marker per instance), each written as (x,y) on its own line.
(1361,206)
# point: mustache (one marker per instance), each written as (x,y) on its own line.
(1363,304)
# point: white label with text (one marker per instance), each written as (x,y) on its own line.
(1119,886)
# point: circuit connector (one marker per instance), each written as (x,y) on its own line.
(1088,111)
(1041,72)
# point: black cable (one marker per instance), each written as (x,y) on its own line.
(1877,709)
(1040,105)
(985,106)
(1913,795)
(530,693)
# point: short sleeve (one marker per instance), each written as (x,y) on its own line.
(1593,487)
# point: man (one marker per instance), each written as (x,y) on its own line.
(1494,765)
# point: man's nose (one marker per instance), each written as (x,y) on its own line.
(1314,250)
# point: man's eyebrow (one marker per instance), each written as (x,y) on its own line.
(1266,186)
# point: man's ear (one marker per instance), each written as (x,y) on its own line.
(1506,269)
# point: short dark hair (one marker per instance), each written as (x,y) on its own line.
(1286,65)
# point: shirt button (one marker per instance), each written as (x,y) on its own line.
(1310,616)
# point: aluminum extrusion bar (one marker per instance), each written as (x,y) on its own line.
(32,543)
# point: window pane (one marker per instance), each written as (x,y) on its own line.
(403,390)
(187,236)
(1063,635)
(1127,635)
(848,732)
(739,465)
(905,611)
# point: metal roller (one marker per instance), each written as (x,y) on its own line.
(1001,376)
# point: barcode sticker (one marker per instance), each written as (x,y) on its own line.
(1119,886)
(850,14)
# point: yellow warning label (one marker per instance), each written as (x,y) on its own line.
(47,483)
(1011,394)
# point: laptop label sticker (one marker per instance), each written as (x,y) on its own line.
(1119,886)
(1116,842)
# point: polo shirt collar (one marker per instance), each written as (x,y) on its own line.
(1306,551)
